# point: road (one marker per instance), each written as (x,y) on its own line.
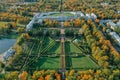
(62,55)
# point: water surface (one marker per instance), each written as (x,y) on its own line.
(5,44)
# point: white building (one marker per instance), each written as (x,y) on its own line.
(112,25)
(88,16)
(76,41)
(29,26)
(116,37)
(93,16)
(118,12)
(118,23)
(104,4)
(9,53)
(39,17)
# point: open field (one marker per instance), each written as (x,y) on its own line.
(45,46)
(46,63)
(40,50)
(83,62)
(71,48)
(55,48)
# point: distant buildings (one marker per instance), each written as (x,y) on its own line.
(104,4)
(91,16)
(118,12)
(8,54)
(39,17)
(113,25)
(76,41)
(116,37)
(30,25)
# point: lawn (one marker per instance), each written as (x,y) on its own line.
(21,25)
(46,63)
(46,42)
(64,14)
(71,48)
(2,24)
(46,46)
(83,63)
(55,48)
(37,46)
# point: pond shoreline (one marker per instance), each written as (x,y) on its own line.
(1,56)
(5,44)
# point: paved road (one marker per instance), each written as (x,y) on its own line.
(62,56)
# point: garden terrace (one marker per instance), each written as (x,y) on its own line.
(43,63)
(71,48)
(80,62)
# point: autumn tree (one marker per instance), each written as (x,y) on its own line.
(23,75)
(77,22)
(67,24)
(12,76)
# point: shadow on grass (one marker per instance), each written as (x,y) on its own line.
(67,47)
(54,48)
(68,58)
(45,42)
(35,65)
(68,62)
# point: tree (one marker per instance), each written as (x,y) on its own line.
(97,20)
(14,24)
(56,23)
(58,76)
(23,75)
(67,24)
(77,22)
(89,21)
(38,75)
(71,72)
(20,30)
(106,71)
(11,76)
(47,77)
(85,27)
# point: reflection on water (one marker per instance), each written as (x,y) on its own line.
(5,44)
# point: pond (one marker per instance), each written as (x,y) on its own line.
(5,44)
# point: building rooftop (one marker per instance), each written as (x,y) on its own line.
(115,36)
(9,53)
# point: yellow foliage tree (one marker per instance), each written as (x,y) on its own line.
(66,24)
(77,22)
(23,75)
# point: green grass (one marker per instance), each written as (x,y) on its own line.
(2,24)
(70,48)
(55,48)
(0,67)
(22,25)
(37,44)
(46,42)
(64,14)
(46,63)
(83,62)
